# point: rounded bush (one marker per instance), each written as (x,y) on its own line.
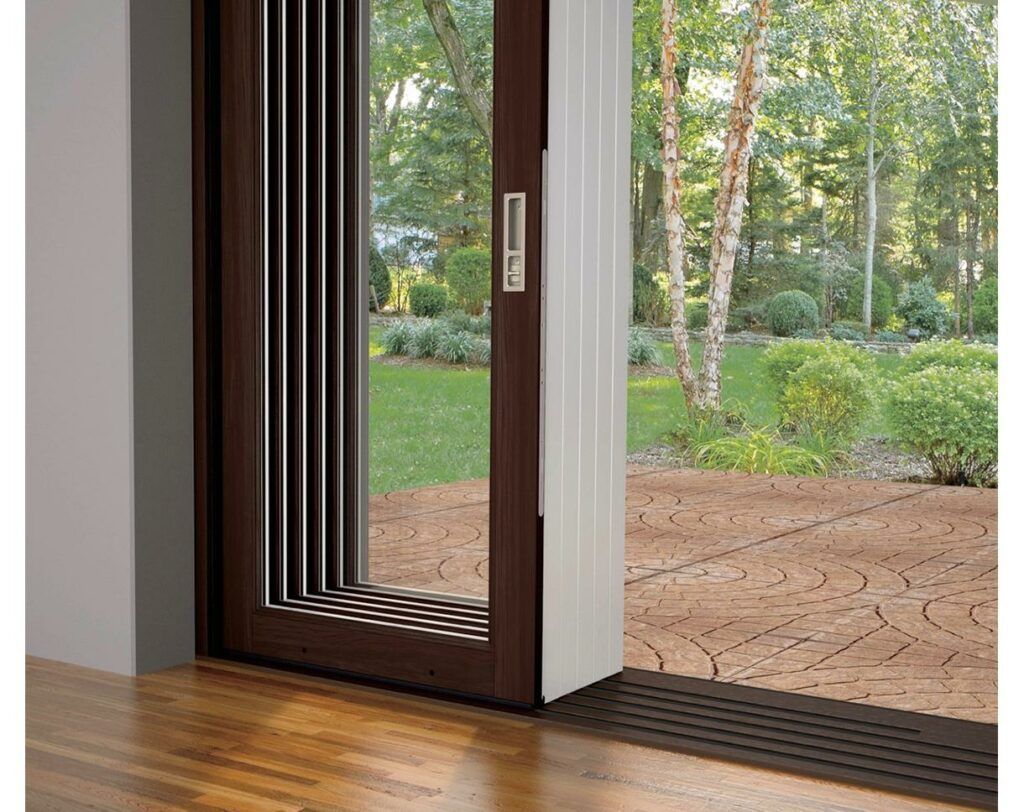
(460,320)
(455,347)
(642,351)
(882,301)
(427,299)
(782,360)
(790,311)
(468,274)
(986,307)
(949,416)
(888,337)
(380,278)
(953,354)
(828,397)
(426,339)
(920,308)
(396,338)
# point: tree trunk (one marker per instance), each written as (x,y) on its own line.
(470,88)
(973,228)
(870,197)
(732,197)
(674,225)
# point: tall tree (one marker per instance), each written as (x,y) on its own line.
(732,196)
(473,91)
(674,224)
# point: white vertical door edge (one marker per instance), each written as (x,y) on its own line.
(586,313)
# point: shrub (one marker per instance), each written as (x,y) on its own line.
(790,311)
(397,338)
(696,315)
(826,396)
(805,334)
(949,416)
(455,347)
(427,299)
(460,320)
(986,338)
(380,278)
(761,451)
(468,274)
(955,354)
(641,349)
(650,304)
(482,351)
(847,331)
(752,315)
(986,306)
(426,338)
(881,301)
(889,337)
(920,308)
(782,360)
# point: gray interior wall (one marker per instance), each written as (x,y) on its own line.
(78,334)
(161,150)
(108,335)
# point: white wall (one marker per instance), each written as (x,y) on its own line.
(586,317)
(108,288)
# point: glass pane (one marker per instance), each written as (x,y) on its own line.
(429,109)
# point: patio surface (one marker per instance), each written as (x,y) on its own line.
(875,592)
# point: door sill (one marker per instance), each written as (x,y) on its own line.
(921,754)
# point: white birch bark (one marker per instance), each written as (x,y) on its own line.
(672,190)
(732,197)
(870,195)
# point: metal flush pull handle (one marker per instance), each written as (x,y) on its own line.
(513,262)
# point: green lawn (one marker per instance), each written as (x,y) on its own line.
(430,424)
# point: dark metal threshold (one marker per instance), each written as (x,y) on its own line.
(917,753)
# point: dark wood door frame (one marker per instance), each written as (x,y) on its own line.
(226,228)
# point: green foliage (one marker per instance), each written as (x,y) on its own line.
(460,320)
(752,315)
(427,299)
(455,347)
(953,353)
(950,416)
(781,361)
(482,351)
(759,451)
(986,306)
(888,337)
(397,338)
(650,304)
(847,331)
(827,396)
(698,430)
(696,315)
(468,274)
(426,339)
(790,311)
(881,301)
(920,309)
(380,278)
(641,349)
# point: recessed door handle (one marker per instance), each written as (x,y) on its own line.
(513,263)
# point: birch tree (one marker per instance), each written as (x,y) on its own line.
(672,192)
(732,197)
(704,391)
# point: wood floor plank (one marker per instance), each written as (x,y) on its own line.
(215,735)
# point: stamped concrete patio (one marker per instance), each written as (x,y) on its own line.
(875,592)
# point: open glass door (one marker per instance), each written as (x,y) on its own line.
(323,458)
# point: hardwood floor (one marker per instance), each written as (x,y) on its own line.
(217,735)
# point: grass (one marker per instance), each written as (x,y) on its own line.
(430,424)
